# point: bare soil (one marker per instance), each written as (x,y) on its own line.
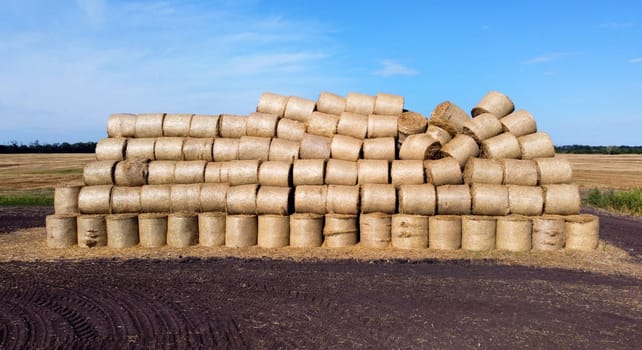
(263,301)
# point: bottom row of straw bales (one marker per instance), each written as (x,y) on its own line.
(374,230)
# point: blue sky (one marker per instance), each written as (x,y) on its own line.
(66,65)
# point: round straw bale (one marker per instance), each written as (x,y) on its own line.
(449,117)
(274,200)
(308,172)
(161,172)
(352,124)
(61,230)
(289,129)
(519,123)
(488,199)
(121,125)
(125,200)
(360,103)
(190,171)
(95,199)
(100,172)
(378,198)
(111,149)
(241,199)
(254,148)
(537,145)
(275,173)
(152,230)
(374,230)
(122,230)
(502,146)
(142,148)
(484,171)
(407,172)
(444,171)
(439,134)
(232,126)
(213,172)
(410,123)
(156,198)
(283,150)
(315,147)
(553,171)
(340,230)
(419,146)
(273,231)
(409,231)
(383,148)
(198,149)
(213,196)
(241,231)
(310,199)
(340,172)
(453,200)
(204,126)
(244,172)
(514,233)
(272,103)
(562,199)
(548,232)
(149,125)
(382,126)
(461,148)
(211,229)
(526,200)
(92,231)
(387,104)
(177,125)
(185,198)
(322,124)
(261,124)
(373,171)
(131,172)
(225,149)
(331,103)
(169,148)
(483,127)
(494,103)
(444,232)
(182,230)
(299,108)
(346,147)
(342,199)
(66,199)
(582,232)
(306,230)
(520,172)
(417,199)
(478,232)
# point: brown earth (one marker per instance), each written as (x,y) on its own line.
(265,301)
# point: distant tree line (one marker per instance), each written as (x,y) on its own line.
(584,149)
(37,147)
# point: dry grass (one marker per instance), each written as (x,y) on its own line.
(606,171)
(30,245)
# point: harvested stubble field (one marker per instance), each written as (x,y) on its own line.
(314,298)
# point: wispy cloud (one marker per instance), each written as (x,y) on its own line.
(550,57)
(391,68)
(636,60)
(94,10)
(616,25)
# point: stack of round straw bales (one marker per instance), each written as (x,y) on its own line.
(334,172)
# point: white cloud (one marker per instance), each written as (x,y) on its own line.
(636,60)
(391,68)
(94,10)
(549,57)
